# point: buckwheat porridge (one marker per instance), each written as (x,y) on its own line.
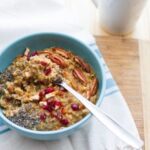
(29,98)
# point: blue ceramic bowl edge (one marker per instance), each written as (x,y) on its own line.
(78,123)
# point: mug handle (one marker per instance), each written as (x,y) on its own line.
(95,3)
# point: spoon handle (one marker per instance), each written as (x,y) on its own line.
(111,124)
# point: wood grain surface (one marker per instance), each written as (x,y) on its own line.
(122,57)
(144,47)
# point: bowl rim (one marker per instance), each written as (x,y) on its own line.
(83,120)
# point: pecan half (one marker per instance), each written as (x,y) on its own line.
(59,61)
(45,52)
(81,62)
(94,87)
(88,94)
(77,73)
(92,91)
(61,52)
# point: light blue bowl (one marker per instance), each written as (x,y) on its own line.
(45,40)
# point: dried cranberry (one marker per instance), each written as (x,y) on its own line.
(41,94)
(51,105)
(45,91)
(31,54)
(64,121)
(58,103)
(50,100)
(54,104)
(46,107)
(75,107)
(48,90)
(43,63)
(42,116)
(47,71)
(28,57)
(34,53)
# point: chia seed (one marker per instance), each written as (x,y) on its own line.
(16,102)
(5,76)
(25,119)
(1,90)
(57,80)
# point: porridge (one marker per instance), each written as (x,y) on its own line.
(29,98)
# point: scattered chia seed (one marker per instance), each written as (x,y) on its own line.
(25,119)
(16,102)
(5,76)
(57,80)
(1,90)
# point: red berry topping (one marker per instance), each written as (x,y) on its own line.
(54,104)
(42,116)
(45,91)
(58,103)
(33,53)
(41,94)
(28,57)
(51,104)
(43,63)
(47,71)
(64,121)
(48,90)
(48,108)
(45,107)
(75,107)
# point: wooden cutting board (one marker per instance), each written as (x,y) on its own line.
(122,57)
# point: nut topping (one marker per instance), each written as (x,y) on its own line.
(77,73)
(81,62)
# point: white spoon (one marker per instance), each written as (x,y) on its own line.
(111,124)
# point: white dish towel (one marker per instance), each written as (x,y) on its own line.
(22,17)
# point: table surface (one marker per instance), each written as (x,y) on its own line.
(124,65)
(86,15)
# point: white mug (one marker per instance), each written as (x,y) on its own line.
(119,16)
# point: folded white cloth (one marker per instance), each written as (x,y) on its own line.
(21,17)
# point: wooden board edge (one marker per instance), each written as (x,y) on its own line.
(144,53)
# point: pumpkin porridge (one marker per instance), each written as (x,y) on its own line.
(29,98)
